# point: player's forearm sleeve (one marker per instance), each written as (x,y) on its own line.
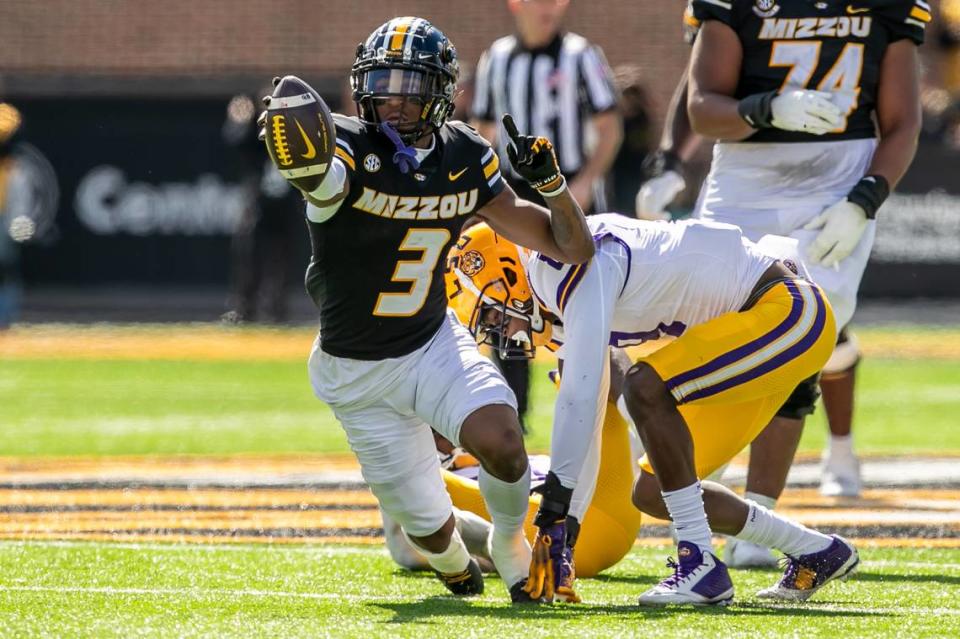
(331,186)
(583,386)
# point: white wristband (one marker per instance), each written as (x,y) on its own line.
(333,181)
(557,191)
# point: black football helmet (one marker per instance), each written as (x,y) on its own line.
(407,58)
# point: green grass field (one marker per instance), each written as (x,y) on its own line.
(91,407)
(117,590)
(51,406)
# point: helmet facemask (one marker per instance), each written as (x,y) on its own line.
(489,291)
(402,87)
(504,322)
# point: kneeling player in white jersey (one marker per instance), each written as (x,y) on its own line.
(747,331)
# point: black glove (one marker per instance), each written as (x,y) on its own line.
(262,118)
(533,158)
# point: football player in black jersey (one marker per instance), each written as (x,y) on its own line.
(815,104)
(389,359)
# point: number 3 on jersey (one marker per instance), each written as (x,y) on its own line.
(419,273)
(842,80)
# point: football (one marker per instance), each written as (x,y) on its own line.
(299,132)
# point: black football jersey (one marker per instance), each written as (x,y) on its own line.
(377,267)
(828,45)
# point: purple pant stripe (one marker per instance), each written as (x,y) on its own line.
(721,361)
(777,361)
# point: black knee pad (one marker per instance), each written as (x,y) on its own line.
(802,400)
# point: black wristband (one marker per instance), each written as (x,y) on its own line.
(554,503)
(869,194)
(659,162)
(756,110)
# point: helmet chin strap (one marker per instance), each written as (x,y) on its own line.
(406,156)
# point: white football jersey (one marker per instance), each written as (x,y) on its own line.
(646,281)
(674,275)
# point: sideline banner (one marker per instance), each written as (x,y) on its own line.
(149,192)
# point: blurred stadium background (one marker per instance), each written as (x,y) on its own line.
(128,204)
(132,189)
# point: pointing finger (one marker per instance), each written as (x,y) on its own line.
(510,127)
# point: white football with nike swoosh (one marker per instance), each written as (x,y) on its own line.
(299,132)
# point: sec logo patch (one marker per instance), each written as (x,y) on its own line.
(371,163)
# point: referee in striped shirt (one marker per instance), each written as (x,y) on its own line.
(558,85)
(555,84)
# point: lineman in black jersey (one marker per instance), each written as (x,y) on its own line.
(798,93)
(390,360)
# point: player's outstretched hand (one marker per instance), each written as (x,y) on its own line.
(552,574)
(540,583)
(656,193)
(533,158)
(842,227)
(298,130)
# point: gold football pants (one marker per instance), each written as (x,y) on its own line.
(732,374)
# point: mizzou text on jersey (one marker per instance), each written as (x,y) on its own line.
(827,45)
(374,273)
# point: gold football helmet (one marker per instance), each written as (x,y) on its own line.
(488,290)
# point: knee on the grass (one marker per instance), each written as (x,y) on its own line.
(644,391)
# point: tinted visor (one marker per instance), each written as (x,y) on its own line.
(379,82)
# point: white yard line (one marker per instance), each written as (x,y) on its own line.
(329,551)
(196,593)
(201,593)
(911,564)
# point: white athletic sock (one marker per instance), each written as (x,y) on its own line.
(507,504)
(454,559)
(763,500)
(766,528)
(841,446)
(689,518)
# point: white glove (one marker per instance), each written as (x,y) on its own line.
(656,193)
(843,225)
(807,111)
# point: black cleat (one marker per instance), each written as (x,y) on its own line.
(519,596)
(465,583)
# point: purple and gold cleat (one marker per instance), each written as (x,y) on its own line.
(806,574)
(699,579)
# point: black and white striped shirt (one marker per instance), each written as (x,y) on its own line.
(553,91)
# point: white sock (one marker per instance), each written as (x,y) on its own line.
(507,504)
(763,500)
(766,528)
(689,518)
(841,446)
(454,559)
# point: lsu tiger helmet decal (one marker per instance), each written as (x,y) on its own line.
(488,290)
